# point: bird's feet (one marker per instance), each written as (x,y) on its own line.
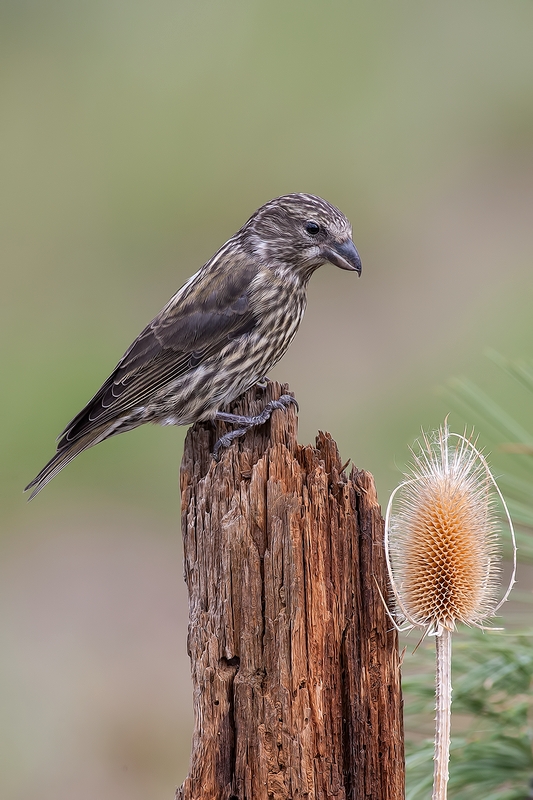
(245,423)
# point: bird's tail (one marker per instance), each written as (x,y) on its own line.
(64,456)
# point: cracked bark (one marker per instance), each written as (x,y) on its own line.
(295,668)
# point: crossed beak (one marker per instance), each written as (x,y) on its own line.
(344,255)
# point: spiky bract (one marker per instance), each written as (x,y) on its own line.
(443,536)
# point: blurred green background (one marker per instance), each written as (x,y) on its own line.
(136,137)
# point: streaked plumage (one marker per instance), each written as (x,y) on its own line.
(221,332)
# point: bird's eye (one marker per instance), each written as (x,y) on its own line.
(312,227)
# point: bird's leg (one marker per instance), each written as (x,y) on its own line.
(246,423)
(250,422)
(226,440)
(263,382)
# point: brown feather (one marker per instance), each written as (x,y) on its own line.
(220,333)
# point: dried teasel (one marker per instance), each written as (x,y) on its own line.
(443,556)
(442,539)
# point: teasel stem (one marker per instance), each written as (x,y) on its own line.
(443,694)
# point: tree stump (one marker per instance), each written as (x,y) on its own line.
(295,666)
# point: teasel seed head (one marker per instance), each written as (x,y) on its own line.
(442,536)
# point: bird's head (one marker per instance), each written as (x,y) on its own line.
(301,231)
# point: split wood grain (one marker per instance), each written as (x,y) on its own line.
(295,668)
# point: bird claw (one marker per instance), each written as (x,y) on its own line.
(263,382)
(226,440)
(246,423)
(286,400)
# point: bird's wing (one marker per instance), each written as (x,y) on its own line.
(197,323)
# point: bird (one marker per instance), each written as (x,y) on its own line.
(220,333)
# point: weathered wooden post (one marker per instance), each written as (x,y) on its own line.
(295,666)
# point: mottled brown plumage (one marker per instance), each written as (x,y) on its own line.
(221,332)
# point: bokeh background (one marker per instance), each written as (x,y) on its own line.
(136,137)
